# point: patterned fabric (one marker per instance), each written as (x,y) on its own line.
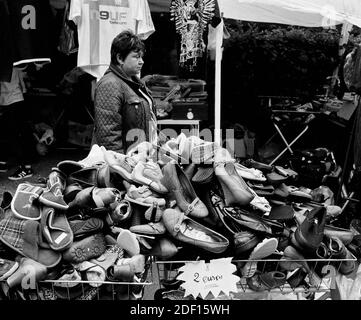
(11,232)
(203,153)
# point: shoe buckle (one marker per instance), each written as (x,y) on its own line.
(189,208)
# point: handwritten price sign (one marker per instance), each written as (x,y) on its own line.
(201,278)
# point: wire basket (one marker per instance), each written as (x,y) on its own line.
(320,278)
(80,290)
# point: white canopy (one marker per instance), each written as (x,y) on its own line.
(307,13)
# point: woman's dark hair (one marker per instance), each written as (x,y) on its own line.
(123,44)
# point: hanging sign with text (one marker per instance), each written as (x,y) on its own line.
(202,278)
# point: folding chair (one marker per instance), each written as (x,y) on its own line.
(277,120)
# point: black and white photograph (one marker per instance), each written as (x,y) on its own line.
(174,155)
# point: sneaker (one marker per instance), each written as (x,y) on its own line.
(4,166)
(21,173)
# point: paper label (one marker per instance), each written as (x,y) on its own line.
(60,238)
(203,278)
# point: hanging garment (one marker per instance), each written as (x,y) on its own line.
(191,18)
(12,91)
(31,30)
(99,22)
(6,44)
(68,40)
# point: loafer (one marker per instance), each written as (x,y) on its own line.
(245,241)
(189,231)
(151,228)
(182,191)
(235,190)
(309,234)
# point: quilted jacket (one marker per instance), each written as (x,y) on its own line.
(122,113)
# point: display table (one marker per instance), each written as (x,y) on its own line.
(193,124)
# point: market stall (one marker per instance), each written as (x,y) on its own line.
(216,227)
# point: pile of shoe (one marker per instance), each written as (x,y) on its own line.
(101,218)
(56,242)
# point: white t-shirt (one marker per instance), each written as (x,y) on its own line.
(99,21)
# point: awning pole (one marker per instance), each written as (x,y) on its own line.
(217,89)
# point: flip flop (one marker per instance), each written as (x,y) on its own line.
(56,229)
(261,251)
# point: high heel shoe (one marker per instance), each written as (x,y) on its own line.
(235,189)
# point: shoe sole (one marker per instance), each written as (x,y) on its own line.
(262,250)
(16,178)
(86,249)
(87,227)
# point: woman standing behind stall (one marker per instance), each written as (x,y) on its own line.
(124,109)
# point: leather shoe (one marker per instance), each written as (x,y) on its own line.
(256,223)
(258,165)
(339,251)
(245,241)
(292,260)
(98,176)
(164,249)
(235,189)
(345,235)
(187,230)
(151,228)
(266,281)
(309,234)
(182,190)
